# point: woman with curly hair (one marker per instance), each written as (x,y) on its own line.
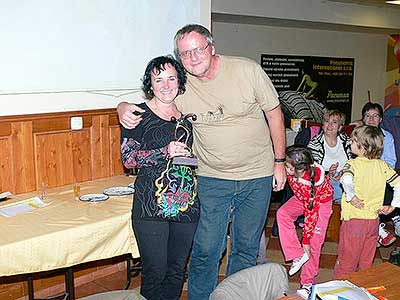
(166,210)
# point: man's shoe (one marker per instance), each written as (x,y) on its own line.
(396,225)
(298,263)
(395,256)
(386,238)
(274,230)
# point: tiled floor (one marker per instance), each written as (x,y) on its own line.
(116,281)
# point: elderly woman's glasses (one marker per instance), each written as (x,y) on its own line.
(199,51)
(373,116)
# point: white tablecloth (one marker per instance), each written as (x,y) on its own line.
(67,232)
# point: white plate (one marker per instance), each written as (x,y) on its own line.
(93,198)
(5,195)
(119,191)
(131,185)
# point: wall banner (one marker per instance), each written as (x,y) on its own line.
(309,84)
(392,89)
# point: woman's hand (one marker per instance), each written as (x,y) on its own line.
(332,170)
(386,209)
(177,149)
(337,177)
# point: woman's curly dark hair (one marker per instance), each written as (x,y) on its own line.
(157,65)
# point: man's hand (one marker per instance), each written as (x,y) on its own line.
(279,176)
(357,202)
(386,209)
(129,115)
(357,123)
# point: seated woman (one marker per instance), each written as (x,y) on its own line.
(372,114)
(331,148)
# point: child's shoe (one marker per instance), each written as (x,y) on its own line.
(298,263)
(307,287)
(396,224)
(386,238)
(305,290)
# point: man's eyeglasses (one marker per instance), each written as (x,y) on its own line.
(199,51)
(374,116)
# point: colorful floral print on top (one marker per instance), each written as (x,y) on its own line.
(176,189)
(162,190)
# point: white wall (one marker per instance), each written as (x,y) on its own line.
(75,55)
(368,51)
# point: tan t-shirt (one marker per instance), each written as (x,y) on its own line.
(231,136)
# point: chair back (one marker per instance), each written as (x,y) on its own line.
(116,295)
(262,282)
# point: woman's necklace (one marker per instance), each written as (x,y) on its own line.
(166,113)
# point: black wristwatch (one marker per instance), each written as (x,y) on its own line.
(280,160)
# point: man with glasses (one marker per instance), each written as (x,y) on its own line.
(237,158)
(372,115)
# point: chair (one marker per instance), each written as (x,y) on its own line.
(392,124)
(262,282)
(116,295)
(133,268)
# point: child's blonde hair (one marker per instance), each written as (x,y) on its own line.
(369,140)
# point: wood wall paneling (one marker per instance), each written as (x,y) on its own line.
(43,148)
(22,155)
(115,151)
(81,155)
(54,158)
(5,129)
(100,145)
(56,124)
(6,183)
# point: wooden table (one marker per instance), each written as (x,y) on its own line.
(385,274)
(67,232)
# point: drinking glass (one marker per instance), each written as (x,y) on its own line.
(77,190)
(43,194)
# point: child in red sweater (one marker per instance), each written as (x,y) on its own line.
(313,195)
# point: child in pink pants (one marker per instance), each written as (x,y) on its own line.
(313,195)
(364,180)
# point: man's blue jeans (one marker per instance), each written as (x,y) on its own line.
(245,203)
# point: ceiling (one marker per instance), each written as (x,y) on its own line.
(252,20)
(270,21)
(378,3)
